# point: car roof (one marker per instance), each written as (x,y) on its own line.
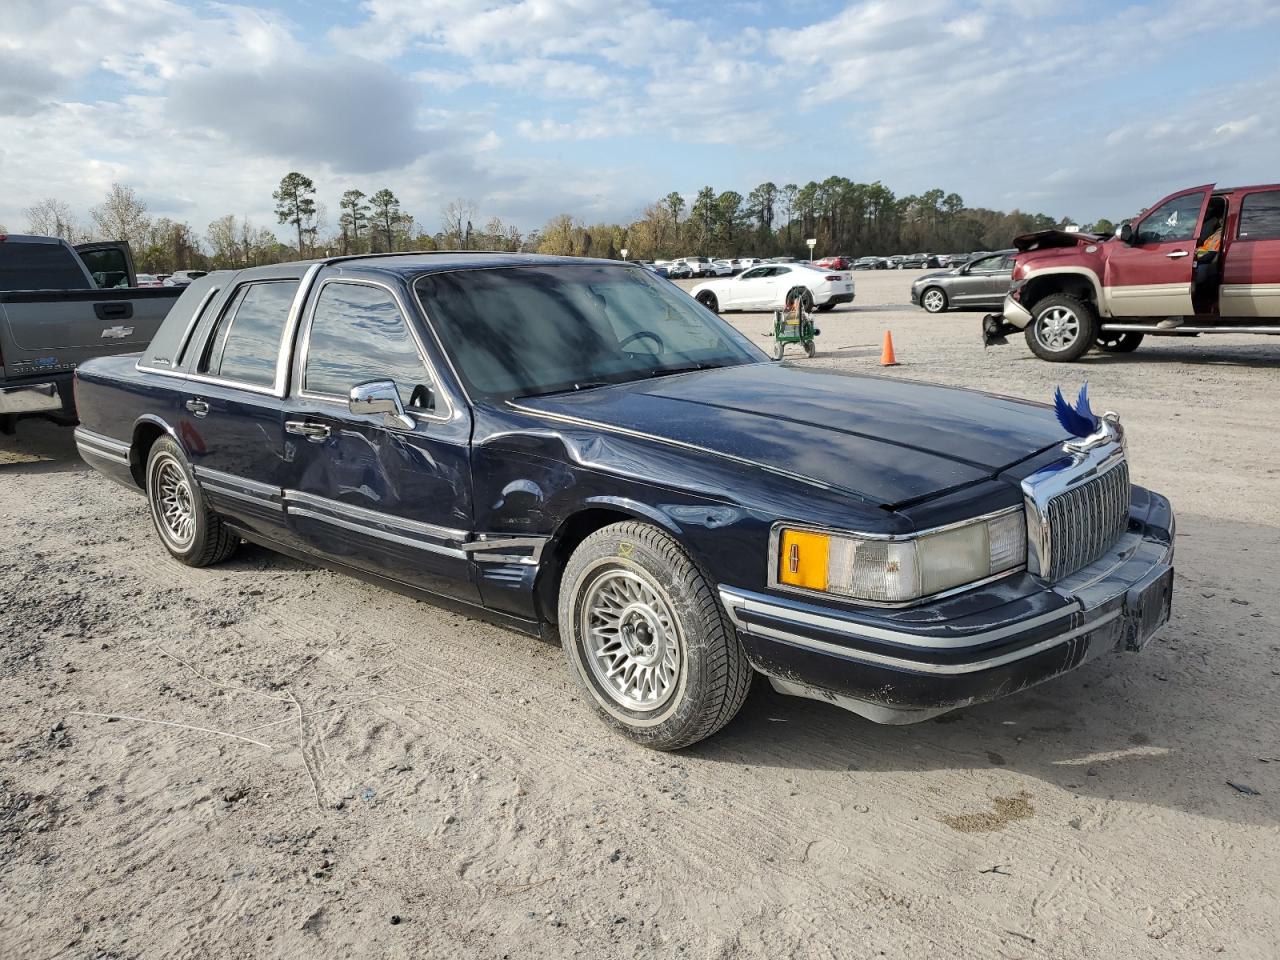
(410,265)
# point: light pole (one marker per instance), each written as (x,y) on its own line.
(624,253)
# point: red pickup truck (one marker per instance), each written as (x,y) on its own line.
(1203,260)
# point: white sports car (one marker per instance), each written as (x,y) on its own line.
(771,285)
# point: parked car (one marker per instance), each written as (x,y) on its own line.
(917,261)
(679,270)
(699,266)
(833,263)
(61,305)
(745,263)
(149,280)
(722,268)
(980,284)
(180,278)
(870,263)
(770,286)
(1158,277)
(893,263)
(617,466)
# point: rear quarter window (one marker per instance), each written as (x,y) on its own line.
(40,266)
(1260,216)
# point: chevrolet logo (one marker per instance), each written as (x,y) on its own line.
(117,333)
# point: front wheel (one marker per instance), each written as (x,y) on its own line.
(708,300)
(647,640)
(189,530)
(1062,328)
(934,300)
(1119,342)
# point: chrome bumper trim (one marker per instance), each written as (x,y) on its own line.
(98,445)
(30,398)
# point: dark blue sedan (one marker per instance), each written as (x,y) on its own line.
(577,448)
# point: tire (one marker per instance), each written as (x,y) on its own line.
(934,300)
(778,350)
(1119,342)
(708,300)
(826,307)
(803,294)
(191,532)
(694,675)
(810,349)
(1062,328)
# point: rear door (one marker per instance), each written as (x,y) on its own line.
(230,416)
(1151,275)
(387,497)
(1251,264)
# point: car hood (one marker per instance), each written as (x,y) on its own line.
(934,275)
(885,441)
(1045,239)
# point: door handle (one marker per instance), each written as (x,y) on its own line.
(314,432)
(1177,254)
(198,407)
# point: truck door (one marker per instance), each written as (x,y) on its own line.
(1251,264)
(387,495)
(109,263)
(1150,276)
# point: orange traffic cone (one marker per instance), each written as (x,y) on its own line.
(887,359)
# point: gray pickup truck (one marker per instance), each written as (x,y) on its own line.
(59,306)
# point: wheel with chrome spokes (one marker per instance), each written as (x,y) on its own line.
(1062,328)
(188,528)
(646,639)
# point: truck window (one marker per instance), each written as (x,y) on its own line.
(108,267)
(39,266)
(245,343)
(358,334)
(1260,216)
(1173,221)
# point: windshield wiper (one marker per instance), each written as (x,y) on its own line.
(689,368)
(572,388)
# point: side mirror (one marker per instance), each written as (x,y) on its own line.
(1125,232)
(379,397)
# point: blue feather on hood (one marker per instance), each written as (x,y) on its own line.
(1080,420)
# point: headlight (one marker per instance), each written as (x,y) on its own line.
(881,570)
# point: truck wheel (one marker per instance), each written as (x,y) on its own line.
(708,300)
(647,639)
(934,300)
(1062,328)
(1119,342)
(193,533)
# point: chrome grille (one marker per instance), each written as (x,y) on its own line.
(1083,523)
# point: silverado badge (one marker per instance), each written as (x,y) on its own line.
(117,333)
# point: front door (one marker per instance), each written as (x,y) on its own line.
(389,496)
(1151,275)
(754,288)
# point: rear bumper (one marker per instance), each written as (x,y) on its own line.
(31,398)
(894,669)
(838,298)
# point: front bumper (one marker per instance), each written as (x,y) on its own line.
(1015,314)
(908,666)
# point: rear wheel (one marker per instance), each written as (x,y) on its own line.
(647,639)
(189,530)
(934,300)
(802,295)
(1062,328)
(1118,342)
(708,300)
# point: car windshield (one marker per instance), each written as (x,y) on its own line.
(535,330)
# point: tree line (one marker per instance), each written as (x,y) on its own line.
(843,216)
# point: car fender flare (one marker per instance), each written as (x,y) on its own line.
(1090,275)
(136,463)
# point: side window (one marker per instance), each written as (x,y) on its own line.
(108,266)
(245,342)
(39,266)
(1260,216)
(1171,222)
(985,265)
(358,334)
(755,273)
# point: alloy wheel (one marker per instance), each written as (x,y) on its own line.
(172,504)
(631,640)
(1057,328)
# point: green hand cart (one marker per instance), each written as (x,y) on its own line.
(794,325)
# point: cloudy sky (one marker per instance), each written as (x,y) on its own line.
(536,107)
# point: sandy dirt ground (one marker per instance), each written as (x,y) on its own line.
(405,782)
